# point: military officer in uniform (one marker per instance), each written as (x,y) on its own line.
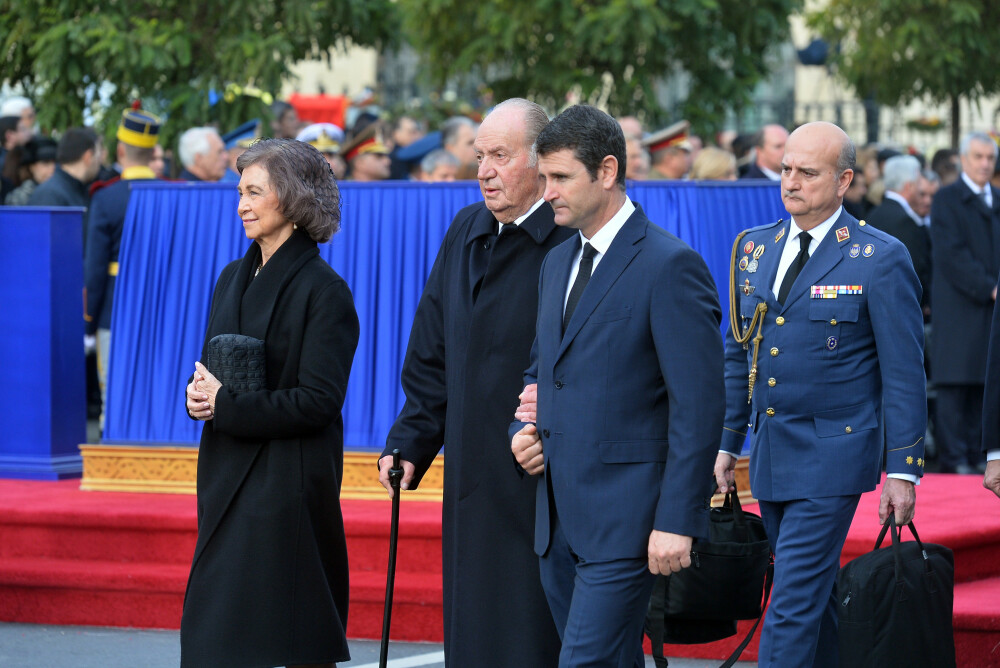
(824,368)
(137,135)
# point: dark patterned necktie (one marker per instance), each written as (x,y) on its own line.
(793,271)
(582,278)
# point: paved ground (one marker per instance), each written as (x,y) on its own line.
(31,646)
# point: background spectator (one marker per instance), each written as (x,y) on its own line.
(714,164)
(203,155)
(38,162)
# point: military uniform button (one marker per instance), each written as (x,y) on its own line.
(774,352)
(770,412)
(779,321)
(862,223)
(848,429)
(833,321)
(771,382)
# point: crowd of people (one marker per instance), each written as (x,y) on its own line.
(562,326)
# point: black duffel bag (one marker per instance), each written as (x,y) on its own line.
(896,605)
(729,579)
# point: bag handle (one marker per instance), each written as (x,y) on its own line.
(768,580)
(897,534)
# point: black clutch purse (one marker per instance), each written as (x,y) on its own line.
(238,362)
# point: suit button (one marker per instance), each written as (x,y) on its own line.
(833,321)
(559,384)
(774,352)
(771,382)
(770,412)
(486,245)
(779,321)
(848,429)
(545,433)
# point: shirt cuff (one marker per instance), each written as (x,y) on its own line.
(737,455)
(904,476)
(992,455)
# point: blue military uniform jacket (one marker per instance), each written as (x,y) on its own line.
(104,234)
(839,368)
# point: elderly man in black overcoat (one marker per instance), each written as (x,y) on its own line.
(462,375)
(965,245)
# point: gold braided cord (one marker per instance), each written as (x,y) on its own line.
(735,320)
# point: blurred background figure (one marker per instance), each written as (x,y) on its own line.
(769,147)
(898,216)
(203,155)
(714,164)
(945,165)
(438,165)
(670,151)
(78,156)
(327,138)
(236,141)
(457,135)
(410,158)
(37,164)
(855,202)
(929,184)
(631,127)
(405,131)
(285,120)
(367,156)
(636,159)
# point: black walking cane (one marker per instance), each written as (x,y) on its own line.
(395,476)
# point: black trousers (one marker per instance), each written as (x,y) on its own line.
(958,425)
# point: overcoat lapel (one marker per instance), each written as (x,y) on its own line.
(257,304)
(626,245)
(826,257)
(480,239)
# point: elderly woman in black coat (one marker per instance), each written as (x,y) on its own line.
(269,581)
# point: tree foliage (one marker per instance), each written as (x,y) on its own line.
(191,61)
(610,53)
(899,51)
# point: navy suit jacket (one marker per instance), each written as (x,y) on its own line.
(836,376)
(630,397)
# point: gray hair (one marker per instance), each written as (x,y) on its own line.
(438,157)
(900,170)
(848,157)
(195,142)
(450,128)
(535,120)
(981,137)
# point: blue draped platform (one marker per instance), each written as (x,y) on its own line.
(179,236)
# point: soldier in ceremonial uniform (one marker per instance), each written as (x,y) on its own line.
(824,367)
(137,135)
(670,151)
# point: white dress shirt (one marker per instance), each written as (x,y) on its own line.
(601,243)
(791,248)
(521,219)
(901,201)
(979,191)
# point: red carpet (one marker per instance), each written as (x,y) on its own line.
(110,559)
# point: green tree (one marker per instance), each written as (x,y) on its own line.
(900,51)
(609,53)
(190,61)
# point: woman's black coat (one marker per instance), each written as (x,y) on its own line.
(269,579)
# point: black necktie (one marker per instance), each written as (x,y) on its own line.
(582,277)
(796,267)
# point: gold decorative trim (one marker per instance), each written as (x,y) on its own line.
(135,468)
(174,470)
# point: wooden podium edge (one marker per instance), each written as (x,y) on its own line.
(174,470)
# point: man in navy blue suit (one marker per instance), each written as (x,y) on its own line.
(628,364)
(824,366)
